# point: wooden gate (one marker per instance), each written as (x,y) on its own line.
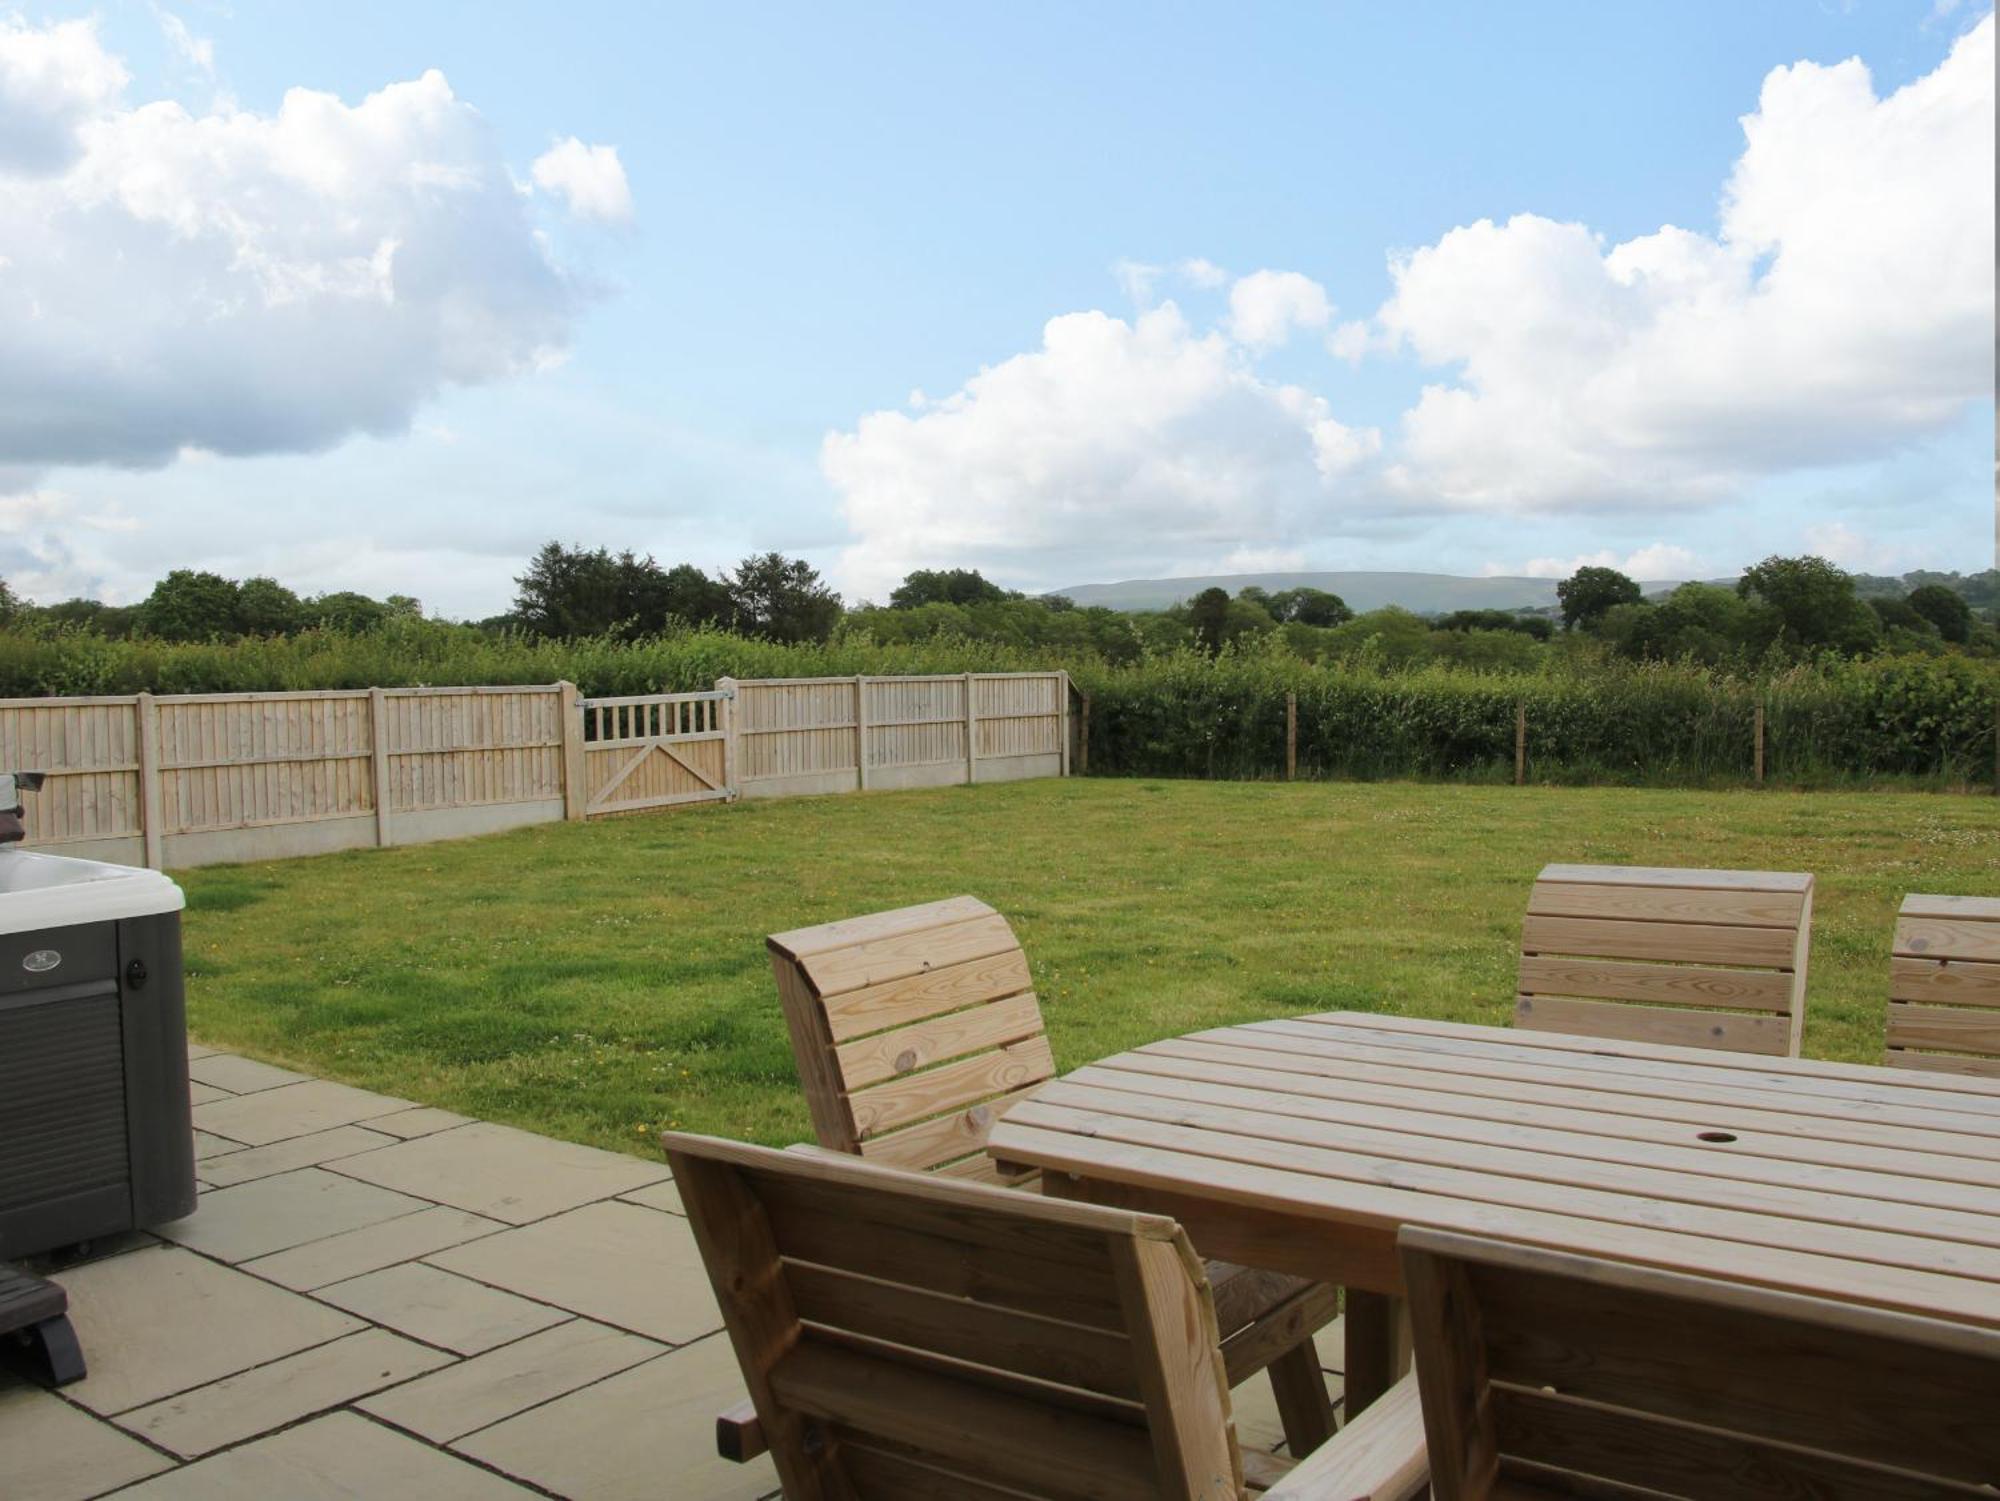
(655,750)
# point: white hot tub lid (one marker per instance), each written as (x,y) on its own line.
(39,890)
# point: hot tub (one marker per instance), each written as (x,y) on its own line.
(95,1135)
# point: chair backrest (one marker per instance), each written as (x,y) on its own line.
(1697,958)
(904,1335)
(1944,985)
(1546,1374)
(913,1031)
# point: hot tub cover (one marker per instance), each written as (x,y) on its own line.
(40,890)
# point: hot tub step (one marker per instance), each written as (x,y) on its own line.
(34,1313)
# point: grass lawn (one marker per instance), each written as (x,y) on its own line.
(601,981)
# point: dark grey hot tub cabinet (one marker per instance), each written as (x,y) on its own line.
(95,1135)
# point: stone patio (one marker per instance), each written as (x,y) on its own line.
(377,1298)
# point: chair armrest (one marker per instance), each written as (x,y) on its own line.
(814,1149)
(1377,1457)
(738,1433)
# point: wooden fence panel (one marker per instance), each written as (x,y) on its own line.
(193,779)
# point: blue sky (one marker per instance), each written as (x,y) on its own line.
(834,207)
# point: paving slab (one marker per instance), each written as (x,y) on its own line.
(295,1152)
(292,1110)
(441,1308)
(373,1247)
(489,1388)
(646,1433)
(202,1094)
(617,1263)
(236,1075)
(665,1194)
(200,1050)
(207,1144)
(420,1122)
(272,1396)
(501,1172)
(277,1213)
(160,1320)
(49,1451)
(340,1457)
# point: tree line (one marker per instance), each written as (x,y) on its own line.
(1783,609)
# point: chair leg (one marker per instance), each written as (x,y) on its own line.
(54,1351)
(1378,1348)
(1303,1405)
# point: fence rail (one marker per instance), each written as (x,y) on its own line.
(195,779)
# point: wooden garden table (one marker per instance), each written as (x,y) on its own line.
(1304,1145)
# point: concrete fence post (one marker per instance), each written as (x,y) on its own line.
(1521,743)
(378,724)
(152,815)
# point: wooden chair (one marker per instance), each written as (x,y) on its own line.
(914,1031)
(1944,985)
(910,1336)
(1550,1375)
(1698,958)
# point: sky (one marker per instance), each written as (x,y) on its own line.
(383,297)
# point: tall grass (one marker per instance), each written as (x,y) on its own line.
(1912,720)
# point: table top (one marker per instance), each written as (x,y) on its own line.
(1873,1185)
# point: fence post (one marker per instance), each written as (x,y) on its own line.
(1757,730)
(576,796)
(1291,736)
(1083,736)
(1065,721)
(727,687)
(861,732)
(1996,750)
(152,817)
(1521,743)
(971,733)
(378,722)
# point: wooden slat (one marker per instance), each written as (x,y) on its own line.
(803,943)
(1948,938)
(931,1142)
(1971,908)
(1945,1063)
(951,1086)
(1675,876)
(1909,1176)
(1954,1029)
(1379,1455)
(1517,1152)
(1180,1368)
(1333,1228)
(1692,1459)
(885,959)
(1954,983)
(1206,1134)
(1682,984)
(1077,1355)
(1692,943)
(979,1168)
(880,1469)
(1763,909)
(1794,1074)
(931,993)
(1836,1101)
(1005,1439)
(1735,1031)
(887,1055)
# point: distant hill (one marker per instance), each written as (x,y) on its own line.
(1426,593)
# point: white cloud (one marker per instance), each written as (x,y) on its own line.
(1846,307)
(1858,552)
(1147,441)
(53,80)
(197,50)
(589,179)
(1265,306)
(251,283)
(1660,560)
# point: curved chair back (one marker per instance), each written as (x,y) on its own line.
(1944,985)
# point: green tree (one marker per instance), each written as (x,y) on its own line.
(191,605)
(1208,618)
(783,598)
(1586,594)
(944,586)
(10,604)
(1305,606)
(1945,608)
(1811,603)
(578,591)
(692,597)
(265,607)
(345,610)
